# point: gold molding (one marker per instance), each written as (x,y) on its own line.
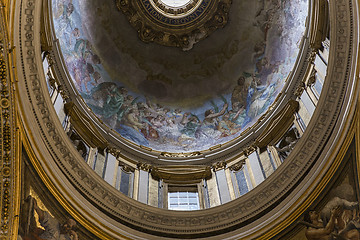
(10,146)
(60,193)
(238,166)
(180,155)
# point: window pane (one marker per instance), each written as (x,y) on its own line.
(183,201)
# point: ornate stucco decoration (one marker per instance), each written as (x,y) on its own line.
(144,166)
(9,146)
(238,166)
(180,155)
(175,26)
(219,165)
(181,174)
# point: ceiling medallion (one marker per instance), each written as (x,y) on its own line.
(175,23)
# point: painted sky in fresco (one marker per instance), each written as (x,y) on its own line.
(176,101)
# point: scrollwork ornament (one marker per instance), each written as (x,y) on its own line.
(126,168)
(141,218)
(144,166)
(312,56)
(312,79)
(238,166)
(250,149)
(180,155)
(63,94)
(300,89)
(175,27)
(219,165)
(51,80)
(115,152)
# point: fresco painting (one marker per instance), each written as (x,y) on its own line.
(335,212)
(36,222)
(148,120)
(337,219)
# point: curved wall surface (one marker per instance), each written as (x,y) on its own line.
(179,101)
(108,214)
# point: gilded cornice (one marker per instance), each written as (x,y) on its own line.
(144,167)
(338,94)
(180,155)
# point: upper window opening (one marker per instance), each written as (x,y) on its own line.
(183,201)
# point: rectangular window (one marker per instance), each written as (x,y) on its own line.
(183,199)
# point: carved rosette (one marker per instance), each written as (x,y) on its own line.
(176,27)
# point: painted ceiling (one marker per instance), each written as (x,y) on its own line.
(173,100)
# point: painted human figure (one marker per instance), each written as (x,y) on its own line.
(209,126)
(149,130)
(132,120)
(227,127)
(53,230)
(239,94)
(114,102)
(190,124)
(132,127)
(332,222)
(347,230)
(316,229)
